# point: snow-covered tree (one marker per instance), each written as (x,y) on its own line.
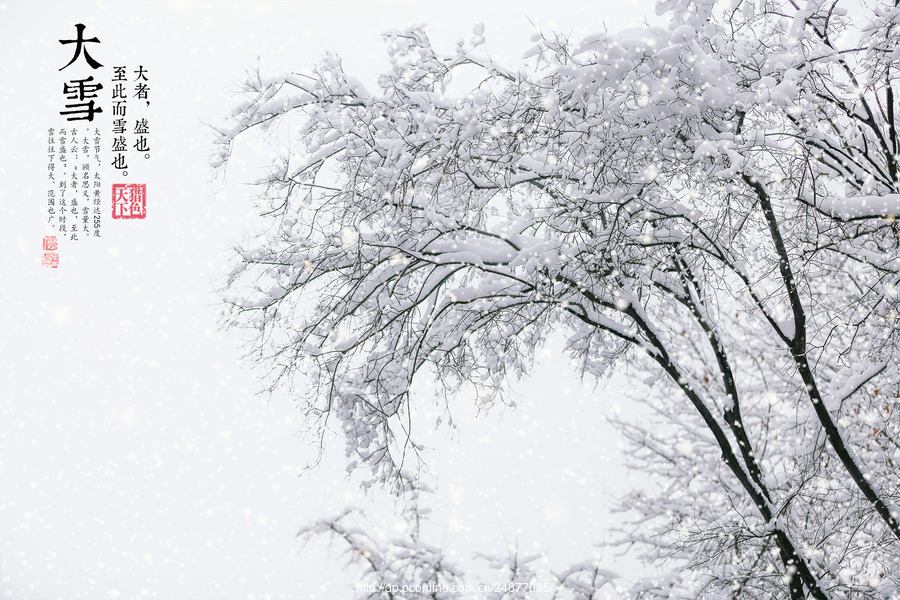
(711,206)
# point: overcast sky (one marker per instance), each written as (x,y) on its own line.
(137,459)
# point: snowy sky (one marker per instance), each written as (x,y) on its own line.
(137,460)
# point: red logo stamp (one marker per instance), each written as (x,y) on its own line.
(50,258)
(129,200)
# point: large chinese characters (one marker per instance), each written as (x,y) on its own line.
(81,91)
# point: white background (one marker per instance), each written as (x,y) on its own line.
(138,459)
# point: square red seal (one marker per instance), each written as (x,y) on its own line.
(129,200)
(50,243)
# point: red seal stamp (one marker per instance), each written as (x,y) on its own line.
(129,200)
(50,258)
